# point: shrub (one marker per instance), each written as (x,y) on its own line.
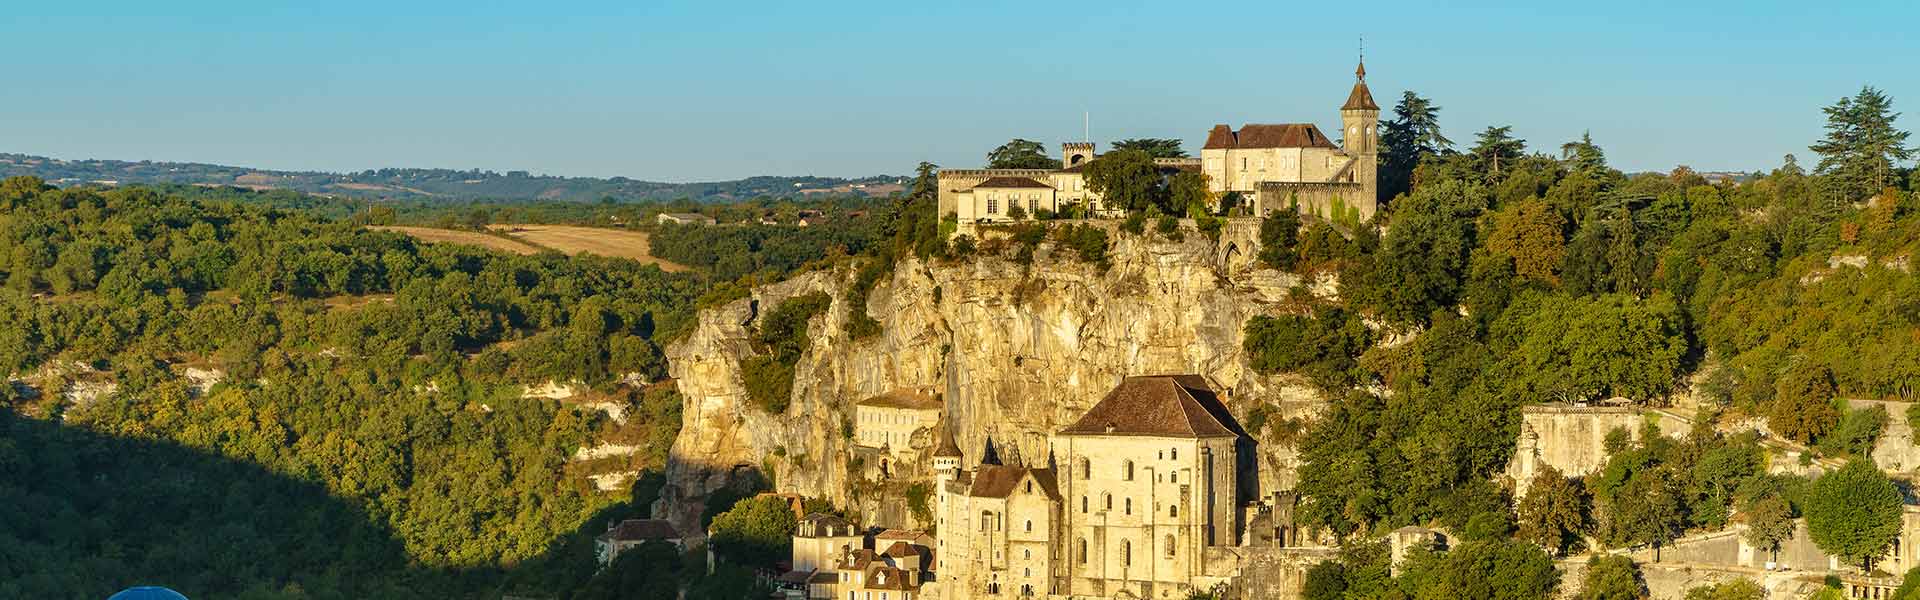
(1136,223)
(1208,224)
(1170,227)
(963,246)
(1856,433)
(859,323)
(1803,404)
(1016,213)
(769,383)
(1090,243)
(1279,234)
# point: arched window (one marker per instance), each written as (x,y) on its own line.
(1029,487)
(1129,505)
(1109,499)
(1029,525)
(1176,454)
(1126,553)
(1173,477)
(1086,469)
(1170,546)
(1083,551)
(1173,510)
(986,521)
(1028,554)
(1127,474)
(1083,504)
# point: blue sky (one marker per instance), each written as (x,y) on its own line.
(718,90)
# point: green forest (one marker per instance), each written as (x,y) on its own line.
(370,389)
(1531,278)
(371,398)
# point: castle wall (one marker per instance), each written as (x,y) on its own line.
(1328,201)
(1572,439)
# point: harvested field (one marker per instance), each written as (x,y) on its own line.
(619,243)
(471,238)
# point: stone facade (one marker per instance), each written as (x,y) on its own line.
(1271,166)
(892,422)
(1129,500)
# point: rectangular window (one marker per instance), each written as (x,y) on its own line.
(993,205)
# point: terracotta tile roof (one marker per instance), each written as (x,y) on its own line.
(903,398)
(632,530)
(824,577)
(996,481)
(1012,182)
(1159,405)
(900,550)
(856,560)
(882,577)
(1255,135)
(1360,99)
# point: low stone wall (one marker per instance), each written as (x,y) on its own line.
(1264,573)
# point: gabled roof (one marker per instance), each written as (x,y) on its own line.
(996,481)
(1012,182)
(882,577)
(1159,405)
(632,530)
(1259,135)
(900,549)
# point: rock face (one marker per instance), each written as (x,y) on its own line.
(1016,353)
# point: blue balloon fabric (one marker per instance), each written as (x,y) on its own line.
(147,592)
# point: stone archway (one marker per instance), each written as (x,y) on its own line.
(1231,259)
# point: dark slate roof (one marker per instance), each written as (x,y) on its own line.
(796,577)
(947,445)
(1159,405)
(641,529)
(1257,135)
(996,481)
(1012,182)
(903,398)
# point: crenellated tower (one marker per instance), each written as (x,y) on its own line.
(1075,153)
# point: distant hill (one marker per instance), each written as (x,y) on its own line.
(431,184)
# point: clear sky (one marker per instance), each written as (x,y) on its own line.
(719,90)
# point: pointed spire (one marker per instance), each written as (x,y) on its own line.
(1360,73)
(947,446)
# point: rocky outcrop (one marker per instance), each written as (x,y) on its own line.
(1016,353)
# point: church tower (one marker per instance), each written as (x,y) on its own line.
(1360,121)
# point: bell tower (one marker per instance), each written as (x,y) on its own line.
(1360,125)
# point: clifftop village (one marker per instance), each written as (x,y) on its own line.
(1153,491)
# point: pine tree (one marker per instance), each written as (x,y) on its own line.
(1496,147)
(1411,136)
(1862,146)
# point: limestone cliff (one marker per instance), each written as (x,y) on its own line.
(1016,352)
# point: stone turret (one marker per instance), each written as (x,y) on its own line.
(1075,153)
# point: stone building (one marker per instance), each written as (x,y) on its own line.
(629,533)
(821,540)
(1294,164)
(1272,166)
(890,421)
(1134,494)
